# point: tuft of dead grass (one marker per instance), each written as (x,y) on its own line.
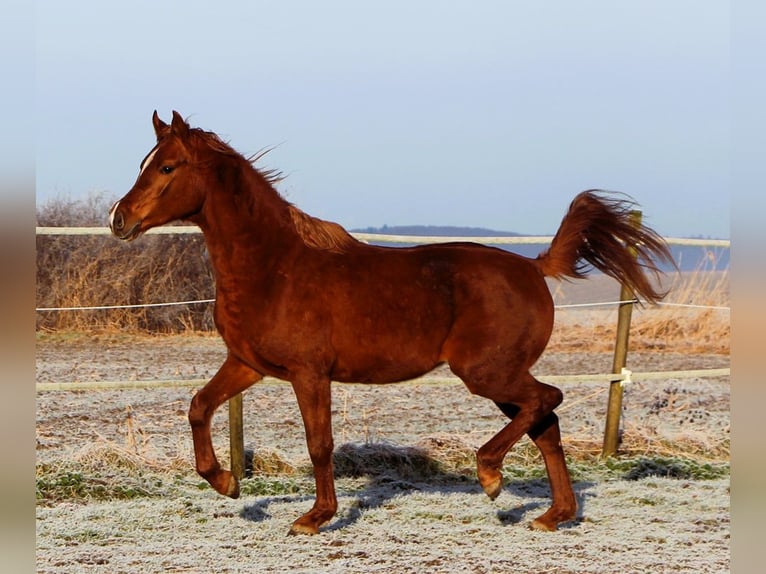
(269,463)
(640,442)
(704,326)
(384,459)
(136,453)
(693,318)
(451,451)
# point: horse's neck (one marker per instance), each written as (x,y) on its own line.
(246,227)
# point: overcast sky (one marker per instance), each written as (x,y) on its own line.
(488,113)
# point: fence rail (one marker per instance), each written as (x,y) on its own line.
(384,238)
(625,378)
(369,237)
(203,301)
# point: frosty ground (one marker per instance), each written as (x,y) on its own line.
(391,521)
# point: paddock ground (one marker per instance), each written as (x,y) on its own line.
(386,522)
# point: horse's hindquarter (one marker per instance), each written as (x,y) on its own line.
(503,311)
(400,309)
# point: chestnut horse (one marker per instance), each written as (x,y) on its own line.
(300,299)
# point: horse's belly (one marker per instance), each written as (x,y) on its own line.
(381,369)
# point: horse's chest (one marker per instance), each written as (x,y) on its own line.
(270,339)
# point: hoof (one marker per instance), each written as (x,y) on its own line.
(311,522)
(233,489)
(494,488)
(297,529)
(541,526)
(549,522)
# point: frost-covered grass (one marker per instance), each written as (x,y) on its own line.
(117,491)
(106,473)
(652,524)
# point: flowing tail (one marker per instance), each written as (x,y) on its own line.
(597,231)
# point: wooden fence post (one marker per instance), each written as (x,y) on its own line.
(614,406)
(236,437)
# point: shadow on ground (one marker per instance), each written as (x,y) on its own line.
(394,471)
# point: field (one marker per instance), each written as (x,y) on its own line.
(117,491)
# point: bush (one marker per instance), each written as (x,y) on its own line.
(74,271)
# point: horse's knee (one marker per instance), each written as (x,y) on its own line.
(198,412)
(552,398)
(320,451)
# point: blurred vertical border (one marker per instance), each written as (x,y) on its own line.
(748,272)
(17,336)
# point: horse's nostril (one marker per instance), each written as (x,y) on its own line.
(118,222)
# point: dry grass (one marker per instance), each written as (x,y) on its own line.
(105,469)
(77,271)
(639,441)
(688,329)
(693,318)
(142,465)
(269,463)
(138,451)
(432,455)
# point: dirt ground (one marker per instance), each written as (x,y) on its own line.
(652,524)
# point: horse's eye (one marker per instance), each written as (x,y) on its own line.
(166,169)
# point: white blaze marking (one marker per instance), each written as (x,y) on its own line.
(147,161)
(111,214)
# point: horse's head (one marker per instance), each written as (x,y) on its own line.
(166,189)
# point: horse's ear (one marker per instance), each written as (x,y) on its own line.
(178,126)
(159,125)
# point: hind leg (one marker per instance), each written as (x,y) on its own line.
(527,402)
(530,408)
(547,437)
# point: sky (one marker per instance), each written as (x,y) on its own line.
(487,114)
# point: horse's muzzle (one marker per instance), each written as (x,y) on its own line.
(120,226)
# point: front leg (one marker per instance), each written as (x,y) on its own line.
(314,398)
(231,379)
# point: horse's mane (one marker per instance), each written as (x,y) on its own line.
(320,234)
(314,232)
(215,143)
